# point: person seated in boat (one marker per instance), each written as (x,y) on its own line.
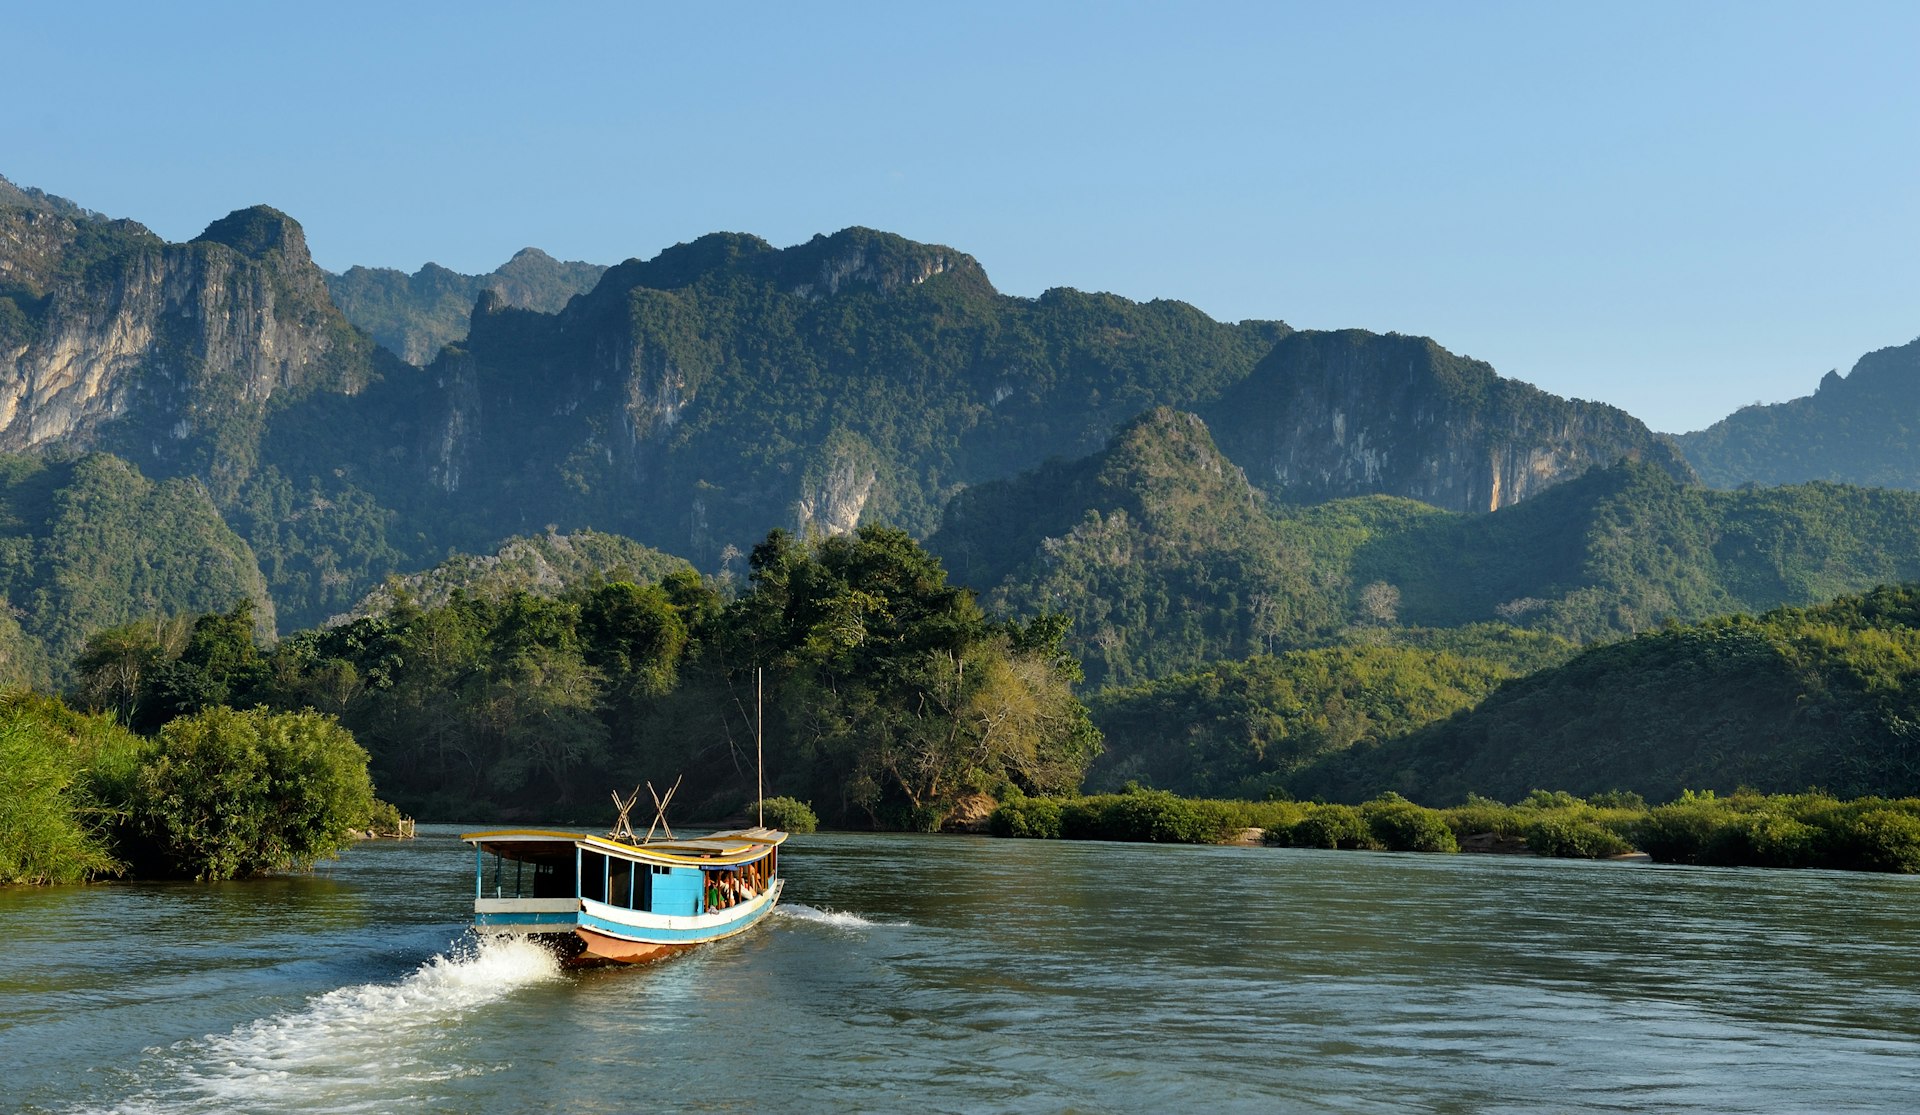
(713,893)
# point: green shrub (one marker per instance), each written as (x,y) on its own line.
(1161,817)
(1484,815)
(1883,840)
(385,819)
(1762,839)
(1331,826)
(52,827)
(225,794)
(789,814)
(1679,832)
(1574,838)
(1400,826)
(1035,818)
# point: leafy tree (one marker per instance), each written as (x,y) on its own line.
(226,794)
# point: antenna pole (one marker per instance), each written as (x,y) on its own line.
(759,756)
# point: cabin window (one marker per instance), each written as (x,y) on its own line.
(593,876)
(553,876)
(622,884)
(527,875)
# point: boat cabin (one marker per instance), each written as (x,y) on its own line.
(531,871)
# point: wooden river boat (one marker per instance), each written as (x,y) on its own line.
(603,900)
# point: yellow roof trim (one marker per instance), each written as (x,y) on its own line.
(660,852)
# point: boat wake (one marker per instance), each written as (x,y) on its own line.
(353,1049)
(839,919)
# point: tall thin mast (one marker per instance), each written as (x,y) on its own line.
(759,757)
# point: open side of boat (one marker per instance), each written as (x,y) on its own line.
(601,900)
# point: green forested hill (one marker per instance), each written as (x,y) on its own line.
(1863,428)
(545,565)
(1157,549)
(89,543)
(1825,697)
(1626,548)
(1166,559)
(1240,728)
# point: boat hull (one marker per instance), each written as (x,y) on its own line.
(598,933)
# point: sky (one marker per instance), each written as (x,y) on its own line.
(1676,208)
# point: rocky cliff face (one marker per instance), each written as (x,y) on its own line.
(168,353)
(1329,415)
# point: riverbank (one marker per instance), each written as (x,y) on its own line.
(1739,830)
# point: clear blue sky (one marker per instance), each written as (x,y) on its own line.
(1678,208)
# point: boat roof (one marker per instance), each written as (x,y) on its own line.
(731,847)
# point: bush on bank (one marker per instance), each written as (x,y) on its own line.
(788,814)
(1741,830)
(216,795)
(224,794)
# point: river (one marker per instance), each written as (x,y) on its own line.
(925,974)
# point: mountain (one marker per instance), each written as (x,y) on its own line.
(171,354)
(1329,415)
(1156,547)
(1166,558)
(1861,428)
(1825,697)
(693,400)
(414,316)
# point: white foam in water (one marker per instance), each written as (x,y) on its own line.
(840,919)
(356,1048)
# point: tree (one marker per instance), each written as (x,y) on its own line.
(227,794)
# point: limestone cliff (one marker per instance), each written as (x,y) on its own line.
(1328,415)
(171,354)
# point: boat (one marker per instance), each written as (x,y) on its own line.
(612,900)
(618,899)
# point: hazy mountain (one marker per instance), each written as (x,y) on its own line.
(1862,428)
(414,316)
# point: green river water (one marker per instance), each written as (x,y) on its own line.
(923,974)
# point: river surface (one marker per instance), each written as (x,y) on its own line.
(925,974)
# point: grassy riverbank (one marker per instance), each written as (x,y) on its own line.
(1741,829)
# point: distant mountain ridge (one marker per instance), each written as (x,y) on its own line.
(1166,558)
(694,400)
(1861,428)
(414,316)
